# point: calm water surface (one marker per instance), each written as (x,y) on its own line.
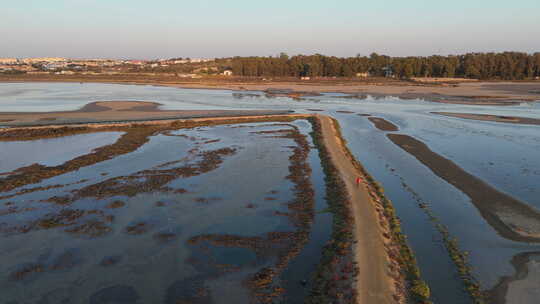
(146,256)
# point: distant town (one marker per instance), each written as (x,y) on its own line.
(180,67)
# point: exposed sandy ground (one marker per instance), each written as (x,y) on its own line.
(511,218)
(210,119)
(109,111)
(470,92)
(495,118)
(525,290)
(521,287)
(383,124)
(374,283)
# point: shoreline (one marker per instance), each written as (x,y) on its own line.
(492,118)
(520,263)
(119,111)
(469,93)
(383,124)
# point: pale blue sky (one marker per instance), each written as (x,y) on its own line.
(203,28)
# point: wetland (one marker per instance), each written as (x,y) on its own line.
(173,202)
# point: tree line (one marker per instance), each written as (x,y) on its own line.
(505,66)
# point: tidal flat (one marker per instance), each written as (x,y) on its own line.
(177,217)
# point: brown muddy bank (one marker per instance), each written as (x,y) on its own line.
(494,118)
(114,111)
(383,124)
(510,217)
(293,94)
(278,246)
(478,92)
(134,137)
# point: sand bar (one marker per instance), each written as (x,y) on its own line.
(511,218)
(383,124)
(113,111)
(474,93)
(494,118)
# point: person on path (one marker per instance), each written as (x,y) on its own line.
(358,181)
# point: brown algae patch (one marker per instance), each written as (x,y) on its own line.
(152,180)
(136,135)
(280,247)
(165,237)
(128,142)
(138,228)
(25,271)
(115,204)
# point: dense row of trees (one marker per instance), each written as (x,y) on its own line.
(507,65)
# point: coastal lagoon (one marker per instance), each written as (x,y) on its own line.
(504,156)
(185,217)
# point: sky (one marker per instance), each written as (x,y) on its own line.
(143,29)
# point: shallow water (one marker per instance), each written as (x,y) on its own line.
(51,151)
(503,155)
(144,254)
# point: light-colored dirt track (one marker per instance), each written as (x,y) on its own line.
(375,286)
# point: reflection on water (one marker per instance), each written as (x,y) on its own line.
(503,155)
(89,243)
(52,151)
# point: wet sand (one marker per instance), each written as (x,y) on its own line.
(476,92)
(472,93)
(383,124)
(375,284)
(510,217)
(111,111)
(494,118)
(522,287)
(463,93)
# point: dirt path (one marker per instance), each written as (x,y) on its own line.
(374,283)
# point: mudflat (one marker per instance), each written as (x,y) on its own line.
(511,218)
(112,111)
(460,92)
(383,124)
(494,118)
